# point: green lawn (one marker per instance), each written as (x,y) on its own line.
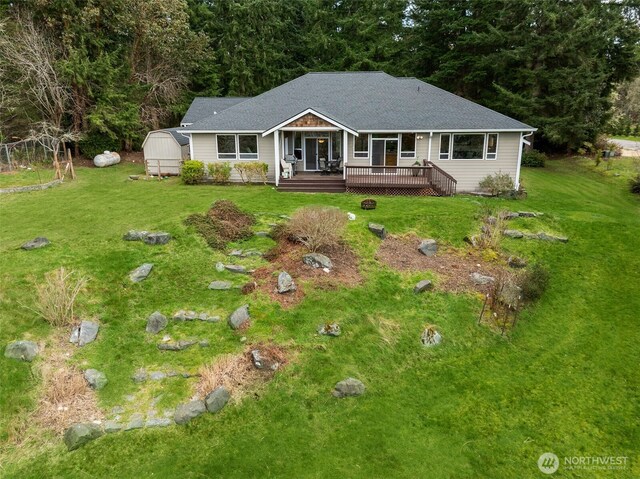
(24,177)
(478,406)
(630,138)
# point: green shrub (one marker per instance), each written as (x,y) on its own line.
(497,184)
(535,282)
(220,172)
(533,159)
(96,143)
(252,171)
(192,172)
(634,185)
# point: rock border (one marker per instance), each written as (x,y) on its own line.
(24,189)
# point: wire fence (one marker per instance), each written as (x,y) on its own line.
(25,153)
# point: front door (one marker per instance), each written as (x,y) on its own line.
(384,152)
(314,150)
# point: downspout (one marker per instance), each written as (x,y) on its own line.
(276,150)
(345,153)
(522,141)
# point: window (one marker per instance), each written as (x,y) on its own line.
(408,145)
(336,145)
(232,147)
(248,146)
(445,141)
(361,146)
(468,147)
(297,144)
(226,147)
(492,146)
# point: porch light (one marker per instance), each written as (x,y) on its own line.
(321,140)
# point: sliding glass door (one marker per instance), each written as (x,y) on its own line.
(384,151)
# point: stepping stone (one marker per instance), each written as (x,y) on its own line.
(349,387)
(157,238)
(141,272)
(220,285)
(239,317)
(423,285)
(378,230)
(481,279)
(285,283)
(317,260)
(39,242)
(188,411)
(136,421)
(21,350)
(79,434)
(85,333)
(428,247)
(330,329)
(134,235)
(217,399)
(96,379)
(156,323)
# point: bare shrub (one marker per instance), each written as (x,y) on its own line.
(497,184)
(224,222)
(492,229)
(56,297)
(317,227)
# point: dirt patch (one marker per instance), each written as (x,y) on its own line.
(237,373)
(287,256)
(453,266)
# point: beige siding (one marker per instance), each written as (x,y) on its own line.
(163,151)
(205,150)
(468,173)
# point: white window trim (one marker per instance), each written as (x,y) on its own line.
(486,150)
(368,153)
(237,153)
(448,158)
(415,147)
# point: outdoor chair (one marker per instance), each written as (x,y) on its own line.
(324,168)
(287,169)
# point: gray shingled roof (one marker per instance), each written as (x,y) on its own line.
(181,139)
(202,107)
(360,101)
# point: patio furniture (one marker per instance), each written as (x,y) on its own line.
(324,166)
(292,160)
(287,168)
(335,165)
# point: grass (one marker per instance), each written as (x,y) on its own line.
(478,406)
(630,138)
(24,177)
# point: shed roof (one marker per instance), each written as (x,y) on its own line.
(363,101)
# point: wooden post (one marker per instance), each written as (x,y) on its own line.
(70,163)
(56,165)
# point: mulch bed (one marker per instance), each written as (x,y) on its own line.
(452,266)
(287,256)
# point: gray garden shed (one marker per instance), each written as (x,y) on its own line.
(164,151)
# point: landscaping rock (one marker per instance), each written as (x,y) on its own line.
(481,279)
(511,294)
(157,375)
(473,240)
(239,317)
(157,238)
(112,426)
(140,376)
(217,399)
(220,285)
(349,387)
(136,421)
(423,285)
(378,230)
(513,234)
(317,260)
(21,350)
(39,242)
(219,267)
(516,262)
(285,283)
(262,234)
(261,362)
(430,337)
(509,215)
(179,346)
(329,329)
(234,268)
(79,434)
(85,333)
(351,216)
(141,272)
(188,411)
(134,177)
(96,379)
(547,237)
(156,323)
(133,235)
(528,214)
(235,252)
(158,422)
(428,247)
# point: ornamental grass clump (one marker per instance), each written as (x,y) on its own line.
(56,296)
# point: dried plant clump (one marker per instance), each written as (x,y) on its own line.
(223,223)
(56,297)
(317,227)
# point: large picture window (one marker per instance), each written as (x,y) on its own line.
(226,147)
(248,146)
(233,147)
(361,146)
(468,147)
(408,145)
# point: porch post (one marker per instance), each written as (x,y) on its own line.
(429,151)
(276,154)
(345,153)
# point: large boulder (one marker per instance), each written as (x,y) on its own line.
(21,350)
(239,317)
(217,399)
(317,260)
(156,322)
(349,387)
(96,379)
(187,411)
(107,158)
(141,272)
(378,230)
(39,242)
(220,285)
(428,247)
(285,283)
(85,333)
(157,238)
(423,285)
(79,434)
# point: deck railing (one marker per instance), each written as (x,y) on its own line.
(389,178)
